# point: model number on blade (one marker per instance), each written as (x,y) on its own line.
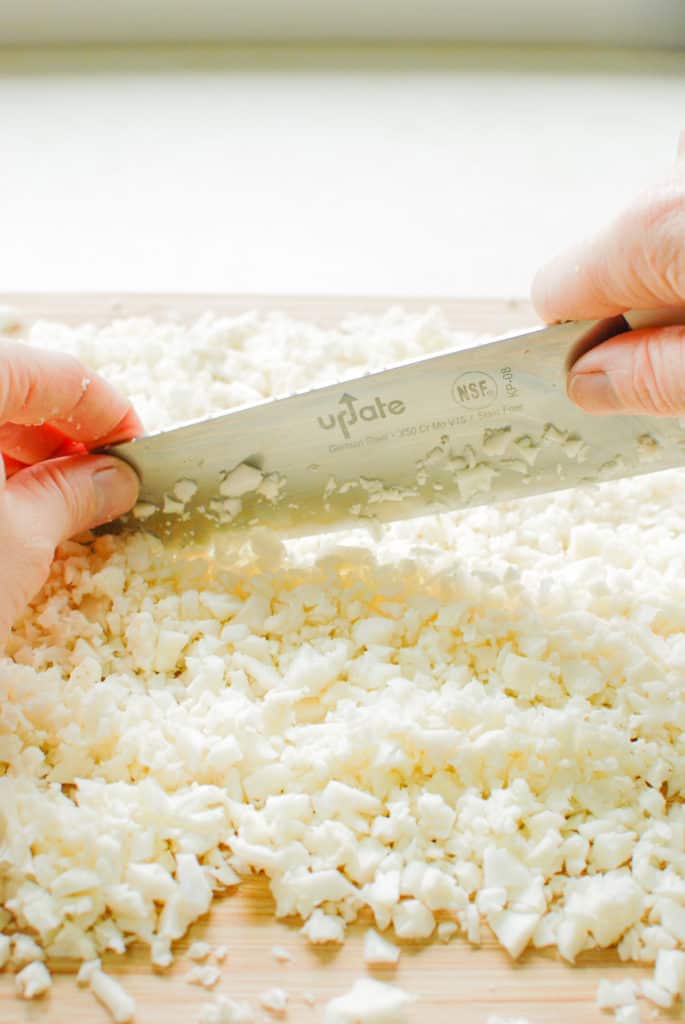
(510,389)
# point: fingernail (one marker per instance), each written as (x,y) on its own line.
(116,488)
(128,427)
(593,392)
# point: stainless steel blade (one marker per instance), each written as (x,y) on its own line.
(459,429)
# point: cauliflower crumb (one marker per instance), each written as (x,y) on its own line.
(33,980)
(378,951)
(412,920)
(87,970)
(206,975)
(446,929)
(225,1010)
(628,1015)
(612,994)
(199,950)
(185,490)
(25,950)
(143,510)
(113,996)
(240,481)
(656,994)
(275,1000)
(322,928)
(369,1002)
(281,955)
(669,971)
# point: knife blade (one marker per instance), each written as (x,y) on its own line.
(450,431)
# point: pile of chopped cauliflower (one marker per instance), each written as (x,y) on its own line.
(466,721)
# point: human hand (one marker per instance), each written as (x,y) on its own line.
(637,262)
(52,410)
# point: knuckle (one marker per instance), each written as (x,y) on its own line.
(657,381)
(14,385)
(659,205)
(660,240)
(76,501)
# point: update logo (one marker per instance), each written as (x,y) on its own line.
(351,413)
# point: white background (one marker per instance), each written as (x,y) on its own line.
(327,170)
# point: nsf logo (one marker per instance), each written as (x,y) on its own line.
(474,390)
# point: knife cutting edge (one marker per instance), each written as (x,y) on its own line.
(450,431)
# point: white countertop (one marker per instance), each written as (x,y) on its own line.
(319,170)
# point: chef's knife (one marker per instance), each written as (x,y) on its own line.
(455,430)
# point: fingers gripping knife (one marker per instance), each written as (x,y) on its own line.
(484,424)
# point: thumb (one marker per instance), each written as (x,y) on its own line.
(59,498)
(641,372)
(45,504)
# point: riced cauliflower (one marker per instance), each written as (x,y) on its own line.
(471,719)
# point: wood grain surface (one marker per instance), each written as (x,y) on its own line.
(454,983)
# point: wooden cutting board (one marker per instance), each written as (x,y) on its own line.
(454,983)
